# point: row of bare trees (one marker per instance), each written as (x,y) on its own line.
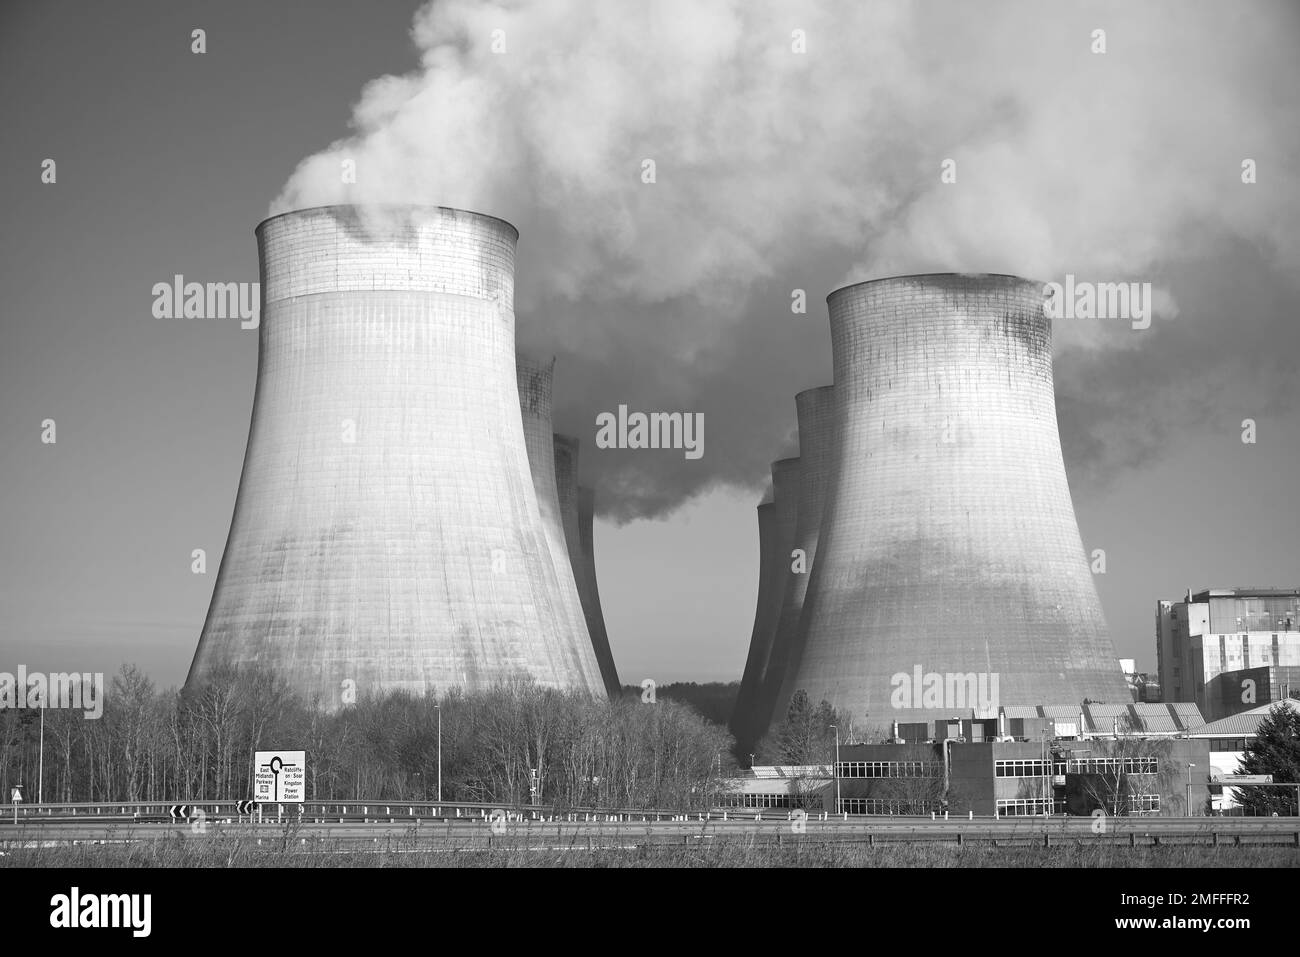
(517,743)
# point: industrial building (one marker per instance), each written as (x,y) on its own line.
(1025,761)
(1230,649)
(387,533)
(1227,739)
(948,546)
(1142,685)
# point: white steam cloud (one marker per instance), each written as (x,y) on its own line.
(775,168)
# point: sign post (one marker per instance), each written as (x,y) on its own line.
(280,778)
(16,798)
(1258,781)
(1242,779)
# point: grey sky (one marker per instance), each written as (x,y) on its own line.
(773,173)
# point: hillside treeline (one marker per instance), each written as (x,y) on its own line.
(497,746)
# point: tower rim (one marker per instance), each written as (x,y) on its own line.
(403,207)
(932,275)
(813,390)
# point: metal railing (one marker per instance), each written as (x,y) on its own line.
(363,808)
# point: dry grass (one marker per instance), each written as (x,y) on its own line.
(288,850)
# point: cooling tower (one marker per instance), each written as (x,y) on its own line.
(816,416)
(576,513)
(386,532)
(949,565)
(766,611)
(775,543)
(535,380)
(591,592)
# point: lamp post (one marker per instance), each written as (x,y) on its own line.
(438,709)
(1189,788)
(1046,791)
(40,774)
(835,771)
(717,781)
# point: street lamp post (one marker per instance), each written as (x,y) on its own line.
(835,771)
(40,774)
(1048,792)
(717,781)
(438,709)
(1189,789)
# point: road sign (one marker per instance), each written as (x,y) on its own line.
(16,795)
(246,807)
(280,777)
(180,810)
(1242,779)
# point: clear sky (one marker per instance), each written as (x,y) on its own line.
(776,170)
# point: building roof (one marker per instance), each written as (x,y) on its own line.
(1187,713)
(1142,717)
(793,771)
(1159,717)
(1061,712)
(1021,711)
(1244,724)
(771,785)
(1267,591)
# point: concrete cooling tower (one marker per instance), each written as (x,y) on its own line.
(949,572)
(387,534)
(577,516)
(536,380)
(816,416)
(766,611)
(775,543)
(591,591)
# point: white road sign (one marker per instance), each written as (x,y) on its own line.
(280,777)
(1242,779)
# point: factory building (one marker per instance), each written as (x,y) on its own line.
(1230,649)
(1227,740)
(1142,685)
(1032,760)
(387,533)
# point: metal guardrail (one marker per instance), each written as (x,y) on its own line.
(532,827)
(347,808)
(365,808)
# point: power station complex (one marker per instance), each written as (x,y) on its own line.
(936,564)
(398,522)
(407,519)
